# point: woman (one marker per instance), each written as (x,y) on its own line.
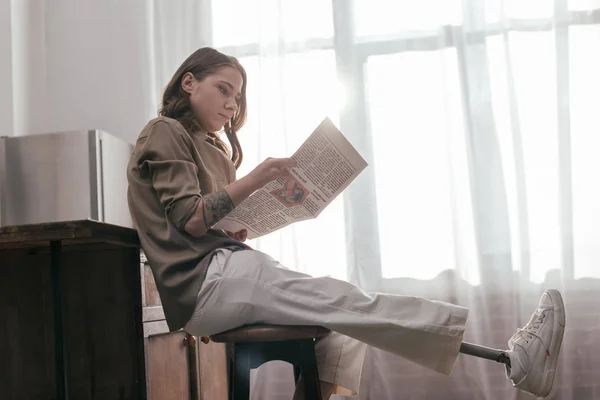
(182,182)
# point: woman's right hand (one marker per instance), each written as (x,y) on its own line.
(223,201)
(271,169)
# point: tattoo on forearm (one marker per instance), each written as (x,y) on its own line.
(216,206)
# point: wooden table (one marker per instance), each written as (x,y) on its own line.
(80,318)
(70,302)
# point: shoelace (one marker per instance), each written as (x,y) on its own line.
(531,329)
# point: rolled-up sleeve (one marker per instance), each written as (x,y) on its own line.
(166,156)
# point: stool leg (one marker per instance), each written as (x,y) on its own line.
(297,371)
(230,349)
(241,373)
(310,373)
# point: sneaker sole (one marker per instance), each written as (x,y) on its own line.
(555,342)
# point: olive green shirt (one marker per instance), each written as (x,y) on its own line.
(169,171)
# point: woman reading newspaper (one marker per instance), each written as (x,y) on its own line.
(182,181)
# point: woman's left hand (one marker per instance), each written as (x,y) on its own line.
(240,236)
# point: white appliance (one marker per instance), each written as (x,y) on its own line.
(64,176)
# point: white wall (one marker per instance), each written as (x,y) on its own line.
(6,90)
(76,64)
(83,64)
(99,66)
(29,91)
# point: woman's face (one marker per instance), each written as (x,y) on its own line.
(215,98)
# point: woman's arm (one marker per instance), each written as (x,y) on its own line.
(165,153)
(215,206)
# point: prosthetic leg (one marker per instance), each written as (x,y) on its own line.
(485,352)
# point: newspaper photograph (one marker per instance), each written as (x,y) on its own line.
(326,164)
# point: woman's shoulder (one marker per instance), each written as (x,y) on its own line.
(162,132)
(162,135)
(164,128)
(163,123)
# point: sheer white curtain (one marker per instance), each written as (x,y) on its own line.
(478,120)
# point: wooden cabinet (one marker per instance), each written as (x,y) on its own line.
(212,371)
(80,318)
(168,366)
(171,364)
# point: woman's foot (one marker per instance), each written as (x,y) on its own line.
(534,348)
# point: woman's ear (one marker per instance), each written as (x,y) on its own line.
(187,82)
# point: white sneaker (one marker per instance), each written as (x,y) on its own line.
(535,347)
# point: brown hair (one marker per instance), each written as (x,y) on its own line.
(176,102)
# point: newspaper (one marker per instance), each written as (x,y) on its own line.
(326,164)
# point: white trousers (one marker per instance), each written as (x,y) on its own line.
(248,286)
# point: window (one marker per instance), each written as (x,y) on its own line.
(279,101)
(584,64)
(412,72)
(299,111)
(390,18)
(412,167)
(237,23)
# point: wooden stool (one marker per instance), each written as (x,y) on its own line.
(253,345)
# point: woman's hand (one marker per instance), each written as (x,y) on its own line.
(240,236)
(270,170)
(216,206)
